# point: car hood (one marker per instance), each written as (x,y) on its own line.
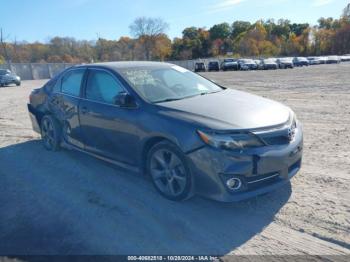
(228,110)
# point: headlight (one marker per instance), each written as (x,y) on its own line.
(230,141)
(18,78)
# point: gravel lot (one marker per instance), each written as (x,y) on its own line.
(70,203)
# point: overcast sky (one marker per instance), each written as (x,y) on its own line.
(38,20)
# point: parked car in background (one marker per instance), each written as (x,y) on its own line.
(314,60)
(285,62)
(199,67)
(213,66)
(300,61)
(229,64)
(345,58)
(7,78)
(259,63)
(247,64)
(149,117)
(269,63)
(333,59)
(323,60)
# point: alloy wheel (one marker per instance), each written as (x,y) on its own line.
(168,172)
(47,133)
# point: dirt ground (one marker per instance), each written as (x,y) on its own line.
(70,203)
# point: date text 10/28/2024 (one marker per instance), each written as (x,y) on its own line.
(173,258)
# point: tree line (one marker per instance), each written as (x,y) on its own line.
(149,41)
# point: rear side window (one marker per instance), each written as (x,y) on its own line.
(71,82)
(49,85)
(57,87)
(102,86)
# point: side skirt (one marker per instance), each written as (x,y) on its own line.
(112,161)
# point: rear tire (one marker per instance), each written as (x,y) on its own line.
(50,133)
(169,171)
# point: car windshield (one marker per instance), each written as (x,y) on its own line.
(229,60)
(167,83)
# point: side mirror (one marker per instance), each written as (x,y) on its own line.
(123,99)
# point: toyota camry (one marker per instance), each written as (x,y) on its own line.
(188,134)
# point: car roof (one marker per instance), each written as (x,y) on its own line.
(128,64)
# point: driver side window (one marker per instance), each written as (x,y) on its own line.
(102,87)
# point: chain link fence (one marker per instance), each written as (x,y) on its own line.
(33,71)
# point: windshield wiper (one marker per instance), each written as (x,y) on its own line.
(180,98)
(207,93)
(167,100)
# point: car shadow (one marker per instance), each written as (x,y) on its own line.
(69,203)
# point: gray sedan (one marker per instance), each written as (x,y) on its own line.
(190,135)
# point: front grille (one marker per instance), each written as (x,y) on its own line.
(276,140)
(281,136)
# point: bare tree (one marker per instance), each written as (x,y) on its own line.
(4,47)
(346,12)
(147,30)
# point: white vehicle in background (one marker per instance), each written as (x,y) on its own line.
(324,59)
(314,60)
(333,59)
(345,58)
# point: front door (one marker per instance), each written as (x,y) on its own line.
(109,130)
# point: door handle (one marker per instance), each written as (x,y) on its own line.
(84,110)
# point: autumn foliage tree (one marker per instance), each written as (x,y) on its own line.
(264,38)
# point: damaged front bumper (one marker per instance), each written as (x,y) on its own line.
(259,170)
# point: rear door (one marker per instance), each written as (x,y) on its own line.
(108,129)
(65,101)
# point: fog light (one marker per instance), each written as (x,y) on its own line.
(234,183)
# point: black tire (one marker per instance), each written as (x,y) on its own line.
(50,133)
(18,84)
(169,171)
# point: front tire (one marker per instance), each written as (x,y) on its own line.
(169,171)
(50,133)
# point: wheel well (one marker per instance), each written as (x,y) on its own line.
(147,146)
(39,116)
